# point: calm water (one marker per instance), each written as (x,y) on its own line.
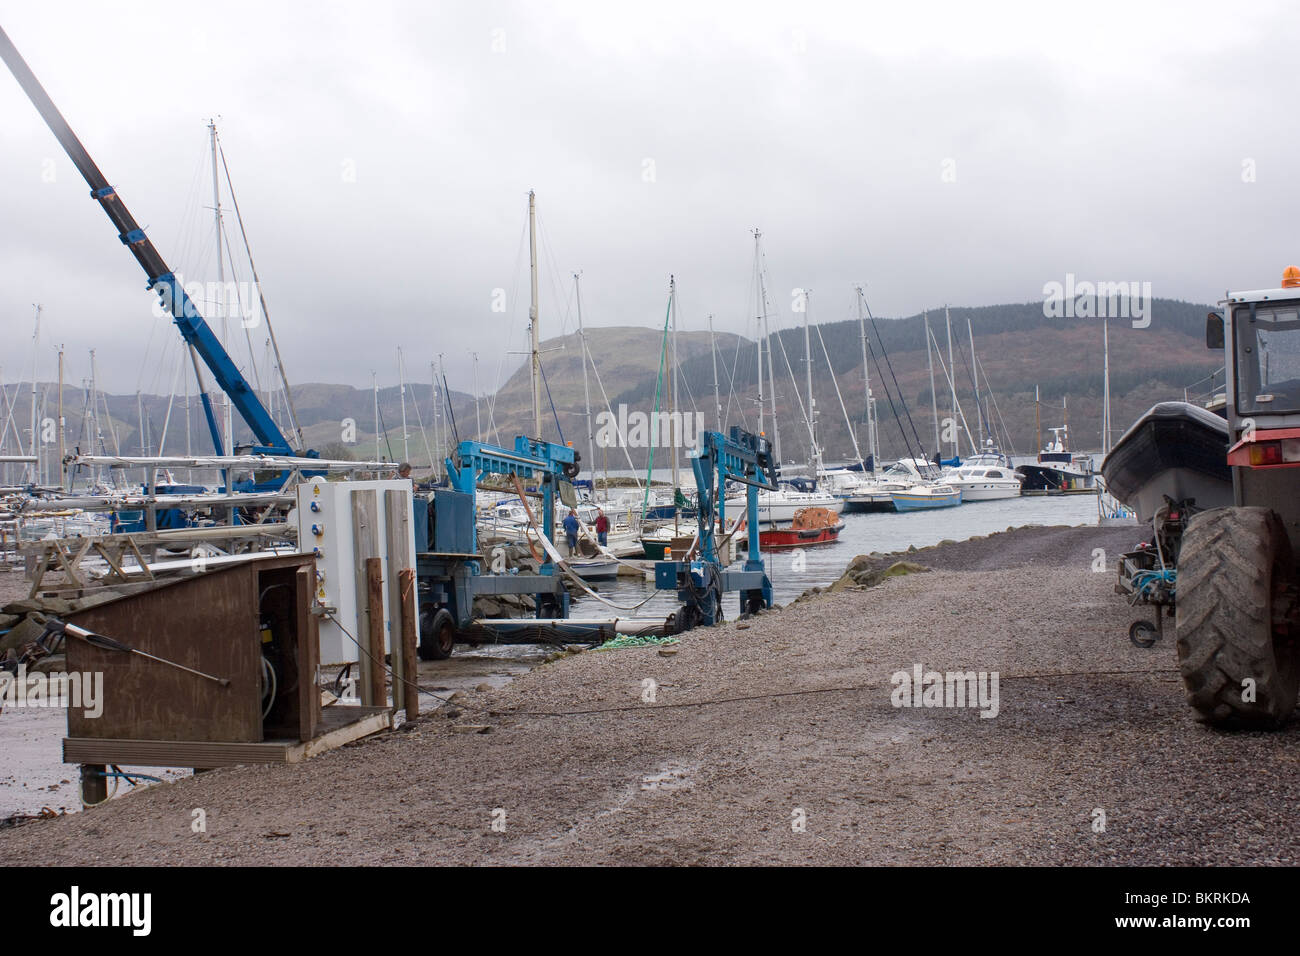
(863,533)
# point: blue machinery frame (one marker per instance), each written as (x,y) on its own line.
(700,584)
(453,580)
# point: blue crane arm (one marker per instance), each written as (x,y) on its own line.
(196,332)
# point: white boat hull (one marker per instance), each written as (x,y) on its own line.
(987,490)
(773,510)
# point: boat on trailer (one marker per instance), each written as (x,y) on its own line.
(1176,450)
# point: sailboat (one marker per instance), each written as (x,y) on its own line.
(812,524)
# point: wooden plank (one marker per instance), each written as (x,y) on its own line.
(308,657)
(375,644)
(397,530)
(144,563)
(364,727)
(410,685)
(346,725)
(365,544)
(113,557)
(68,568)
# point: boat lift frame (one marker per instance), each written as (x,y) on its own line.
(700,583)
(452,580)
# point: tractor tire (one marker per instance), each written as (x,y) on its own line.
(437,635)
(1234,567)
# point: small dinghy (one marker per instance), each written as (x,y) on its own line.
(594,569)
(1176,450)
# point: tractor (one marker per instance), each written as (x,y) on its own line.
(1238,618)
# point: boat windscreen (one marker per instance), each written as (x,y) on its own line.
(1268,359)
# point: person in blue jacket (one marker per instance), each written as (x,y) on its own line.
(571,531)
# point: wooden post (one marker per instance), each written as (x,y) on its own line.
(94,785)
(365,545)
(397,529)
(375,598)
(411,690)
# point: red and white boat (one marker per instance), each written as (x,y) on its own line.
(810,527)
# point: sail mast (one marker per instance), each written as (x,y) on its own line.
(532,316)
(63,469)
(952,382)
(1105,416)
(478,421)
(771,373)
(717,393)
(36,351)
(228,421)
(1038,419)
(866,383)
(979,409)
(586,389)
(758,292)
(672,394)
(934,396)
(814,453)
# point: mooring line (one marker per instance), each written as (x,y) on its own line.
(793,693)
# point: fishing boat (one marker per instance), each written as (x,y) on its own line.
(810,527)
(1176,450)
(1059,470)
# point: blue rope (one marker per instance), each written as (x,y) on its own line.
(129,777)
(1146,581)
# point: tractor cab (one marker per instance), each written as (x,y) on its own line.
(1259,332)
(1238,616)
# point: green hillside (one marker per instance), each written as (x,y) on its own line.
(1018,348)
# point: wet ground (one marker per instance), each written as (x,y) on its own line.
(34,777)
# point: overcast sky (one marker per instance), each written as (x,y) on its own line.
(382,155)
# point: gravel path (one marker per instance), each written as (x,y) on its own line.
(753,722)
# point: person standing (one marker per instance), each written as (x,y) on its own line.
(602,527)
(571,531)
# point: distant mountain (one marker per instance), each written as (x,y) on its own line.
(1017,347)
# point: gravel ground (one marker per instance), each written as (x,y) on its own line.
(755,722)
